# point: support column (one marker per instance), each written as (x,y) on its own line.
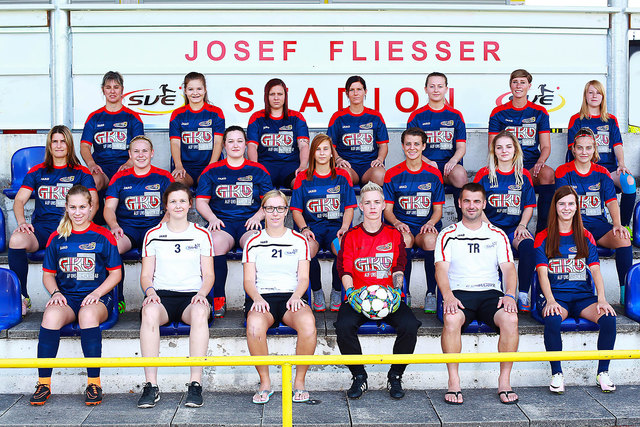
(618,78)
(61,85)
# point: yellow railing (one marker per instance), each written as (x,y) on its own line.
(286,362)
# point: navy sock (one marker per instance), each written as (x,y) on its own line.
(624,260)
(336,283)
(19,264)
(606,338)
(545,194)
(526,264)
(314,274)
(220,271)
(48,342)
(91,342)
(627,203)
(430,272)
(456,195)
(407,271)
(553,340)
(121,286)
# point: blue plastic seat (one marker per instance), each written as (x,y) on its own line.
(636,228)
(569,324)
(10,299)
(73,329)
(376,327)
(632,293)
(21,161)
(3,233)
(473,328)
(36,256)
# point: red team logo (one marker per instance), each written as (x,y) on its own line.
(439,136)
(76,264)
(323,205)
(504,200)
(111,137)
(353,139)
(589,202)
(369,264)
(276,140)
(234,191)
(409,203)
(136,203)
(566,266)
(52,192)
(522,132)
(197,137)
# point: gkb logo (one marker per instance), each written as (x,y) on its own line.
(153,102)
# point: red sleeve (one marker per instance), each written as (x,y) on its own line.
(401,253)
(345,256)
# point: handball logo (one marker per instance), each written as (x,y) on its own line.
(573,249)
(334,190)
(594,187)
(110,137)
(88,246)
(153,102)
(67,179)
(52,192)
(414,202)
(246,178)
(120,125)
(386,247)
(353,139)
(236,191)
(603,128)
(424,186)
(323,205)
(515,187)
(438,136)
(152,187)
(366,126)
(276,139)
(368,264)
(136,203)
(78,264)
(206,123)
(447,123)
(565,266)
(286,128)
(504,200)
(551,99)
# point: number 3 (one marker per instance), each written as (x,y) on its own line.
(177,248)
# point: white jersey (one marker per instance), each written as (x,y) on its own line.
(474,256)
(177,256)
(276,260)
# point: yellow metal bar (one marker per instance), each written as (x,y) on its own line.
(287,404)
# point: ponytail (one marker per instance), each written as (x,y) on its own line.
(66,227)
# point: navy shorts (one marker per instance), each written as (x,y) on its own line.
(360,169)
(194,171)
(529,163)
(75,301)
(111,170)
(415,229)
(325,235)
(282,174)
(136,235)
(277,305)
(598,227)
(574,303)
(43,231)
(236,229)
(479,305)
(176,303)
(441,166)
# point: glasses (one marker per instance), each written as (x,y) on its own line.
(271,209)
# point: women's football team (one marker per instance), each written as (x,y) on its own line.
(184,266)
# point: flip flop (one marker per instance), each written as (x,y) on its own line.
(457,394)
(506,394)
(263,396)
(300,393)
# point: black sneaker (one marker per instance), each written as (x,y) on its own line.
(150,395)
(93,395)
(358,386)
(394,385)
(194,395)
(42,393)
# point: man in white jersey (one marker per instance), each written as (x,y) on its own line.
(471,288)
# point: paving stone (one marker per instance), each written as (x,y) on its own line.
(573,408)
(331,411)
(375,407)
(622,404)
(481,407)
(121,410)
(7,401)
(60,410)
(221,409)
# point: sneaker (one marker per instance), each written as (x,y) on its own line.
(335,299)
(524,304)
(194,395)
(358,386)
(430,303)
(122,307)
(318,301)
(26,305)
(219,306)
(93,395)
(150,395)
(557,383)
(42,393)
(394,386)
(407,300)
(605,383)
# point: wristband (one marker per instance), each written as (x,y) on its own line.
(522,225)
(306,227)
(511,296)
(57,291)
(145,291)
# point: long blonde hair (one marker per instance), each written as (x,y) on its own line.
(66,227)
(517,161)
(584,109)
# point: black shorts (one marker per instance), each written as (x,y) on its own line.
(277,305)
(75,301)
(479,305)
(135,235)
(43,231)
(176,303)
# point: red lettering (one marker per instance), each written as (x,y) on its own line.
(355,53)
(341,91)
(393,50)
(419,47)
(414,104)
(195,52)
(333,49)
(450,100)
(464,50)
(263,49)
(310,94)
(377,50)
(376,95)
(491,48)
(223,50)
(241,98)
(286,49)
(241,46)
(443,48)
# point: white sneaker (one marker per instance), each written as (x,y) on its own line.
(430,303)
(604,381)
(524,303)
(557,383)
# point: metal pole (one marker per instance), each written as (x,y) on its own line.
(61,94)
(618,81)
(287,404)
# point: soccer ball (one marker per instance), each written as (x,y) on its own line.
(378,302)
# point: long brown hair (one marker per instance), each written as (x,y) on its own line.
(72,160)
(285,106)
(552,248)
(194,75)
(584,109)
(317,140)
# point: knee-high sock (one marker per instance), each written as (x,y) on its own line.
(314,274)
(220,270)
(336,283)
(407,273)
(553,340)
(624,260)
(121,286)
(456,195)
(606,338)
(91,342)
(430,272)
(627,203)
(526,264)
(545,194)
(19,264)
(48,343)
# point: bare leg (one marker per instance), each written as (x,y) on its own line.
(257,325)
(304,322)
(197,315)
(153,315)
(508,324)
(452,343)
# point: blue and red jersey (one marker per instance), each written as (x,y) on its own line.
(526,124)
(277,138)
(80,261)
(413,193)
(50,189)
(595,189)
(323,199)
(607,137)
(234,193)
(566,272)
(507,200)
(110,134)
(196,130)
(356,136)
(139,196)
(444,129)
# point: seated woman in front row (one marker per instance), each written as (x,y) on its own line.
(564,251)
(276,277)
(81,266)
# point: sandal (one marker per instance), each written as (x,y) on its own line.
(262,396)
(300,396)
(457,394)
(506,394)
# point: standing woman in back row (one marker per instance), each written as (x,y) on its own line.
(359,136)
(195,131)
(278,136)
